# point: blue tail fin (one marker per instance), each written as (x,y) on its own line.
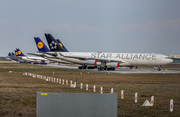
(18,52)
(9,55)
(61,44)
(40,45)
(53,44)
(12,54)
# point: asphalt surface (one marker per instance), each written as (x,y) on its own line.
(121,70)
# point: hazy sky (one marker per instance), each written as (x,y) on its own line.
(141,26)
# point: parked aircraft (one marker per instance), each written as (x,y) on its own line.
(106,61)
(33,60)
(55,48)
(13,57)
(43,48)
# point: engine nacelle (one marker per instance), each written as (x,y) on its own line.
(47,62)
(112,64)
(90,62)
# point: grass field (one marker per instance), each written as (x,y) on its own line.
(17,92)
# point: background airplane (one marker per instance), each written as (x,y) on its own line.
(33,60)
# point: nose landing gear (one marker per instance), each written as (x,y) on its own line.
(157,68)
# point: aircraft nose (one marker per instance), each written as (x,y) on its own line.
(170,60)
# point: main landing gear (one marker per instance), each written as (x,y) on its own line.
(105,68)
(86,67)
(82,67)
(157,68)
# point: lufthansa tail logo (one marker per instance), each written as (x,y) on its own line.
(16,53)
(40,45)
(19,52)
(61,45)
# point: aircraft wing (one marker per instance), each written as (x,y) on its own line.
(98,59)
(36,54)
(49,53)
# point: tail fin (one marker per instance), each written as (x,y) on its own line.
(18,52)
(9,55)
(53,44)
(12,54)
(40,45)
(61,44)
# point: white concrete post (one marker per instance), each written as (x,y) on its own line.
(171,105)
(94,88)
(101,91)
(81,85)
(122,94)
(63,82)
(152,100)
(112,91)
(71,83)
(66,82)
(86,86)
(136,97)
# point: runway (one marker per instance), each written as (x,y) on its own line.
(121,70)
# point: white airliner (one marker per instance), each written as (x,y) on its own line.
(105,61)
(33,60)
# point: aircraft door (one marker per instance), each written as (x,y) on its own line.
(159,60)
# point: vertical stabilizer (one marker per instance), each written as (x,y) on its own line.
(53,44)
(40,45)
(61,44)
(18,52)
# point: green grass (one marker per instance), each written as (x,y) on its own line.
(18,92)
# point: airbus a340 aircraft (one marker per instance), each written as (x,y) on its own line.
(34,60)
(104,60)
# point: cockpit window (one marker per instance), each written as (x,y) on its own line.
(167,58)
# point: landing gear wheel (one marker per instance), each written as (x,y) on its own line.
(80,67)
(99,69)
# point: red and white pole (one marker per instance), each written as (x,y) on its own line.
(152,100)
(63,82)
(136,95)
(59,81)
(81,85)
(101,91)
(66,82)
(71,83)
(86,86)
(122,94)
(171,105)
(94,88)
(75,84)
(112,91)
(54,79)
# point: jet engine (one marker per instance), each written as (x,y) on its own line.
(90,62)
(113,64)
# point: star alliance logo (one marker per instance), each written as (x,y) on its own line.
(53,45)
